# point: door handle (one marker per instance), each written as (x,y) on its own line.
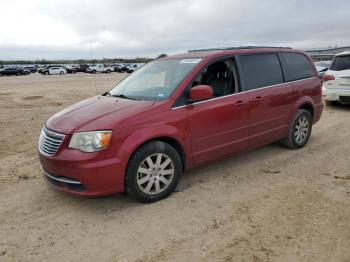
(240,103)
(257,99)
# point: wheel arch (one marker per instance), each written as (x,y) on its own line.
(166,139)
(308,107)
(304,102)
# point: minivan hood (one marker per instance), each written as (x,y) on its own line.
(96,113)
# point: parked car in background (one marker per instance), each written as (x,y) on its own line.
(82,68)
(126,68)
(71,69)
(336,88)
(14,70)
(130,68)
(179,112)
(54,70)
(46,67)
(32,69)
(100,68)
(117,67)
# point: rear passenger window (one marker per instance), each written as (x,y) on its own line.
(297,66)
(261,70)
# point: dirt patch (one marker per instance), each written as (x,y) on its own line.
(271,204)
(32,97)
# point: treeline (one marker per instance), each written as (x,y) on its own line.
(79,61)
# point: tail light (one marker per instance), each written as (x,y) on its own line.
(328,78)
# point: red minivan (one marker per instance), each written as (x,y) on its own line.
(179,112)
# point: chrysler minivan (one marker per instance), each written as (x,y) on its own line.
(179,112)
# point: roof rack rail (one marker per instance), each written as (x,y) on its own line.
(236,48)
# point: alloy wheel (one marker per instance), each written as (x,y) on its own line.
(301,131)
(155,173)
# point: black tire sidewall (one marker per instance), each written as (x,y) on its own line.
(300,113)
(131,186)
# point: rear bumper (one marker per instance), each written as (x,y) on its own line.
(90,176)
(335,94)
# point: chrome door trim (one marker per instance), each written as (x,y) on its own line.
(216,98)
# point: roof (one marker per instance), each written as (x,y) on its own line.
(206,53)
(237,48)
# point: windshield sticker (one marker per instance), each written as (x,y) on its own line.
(190,61)
(160,95)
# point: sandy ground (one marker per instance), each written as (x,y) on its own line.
(271,204)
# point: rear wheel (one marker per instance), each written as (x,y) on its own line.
(300,130)
(153,172)
(61,73)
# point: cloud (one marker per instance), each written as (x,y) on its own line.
(67,29)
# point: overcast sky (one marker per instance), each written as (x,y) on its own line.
(68,29)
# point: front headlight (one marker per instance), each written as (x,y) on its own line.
(90,141)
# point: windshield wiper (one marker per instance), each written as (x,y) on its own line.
(125,97)
(121,96)
(107,94)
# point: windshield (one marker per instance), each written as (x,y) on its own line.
(340,63)
(156,80)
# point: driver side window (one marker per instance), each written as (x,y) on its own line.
(221,76)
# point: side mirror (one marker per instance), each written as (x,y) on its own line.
(200,92)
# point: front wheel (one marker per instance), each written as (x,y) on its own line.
(153,172)
(299,131)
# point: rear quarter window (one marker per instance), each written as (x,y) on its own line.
(341,63)
(297,66)
(260,70)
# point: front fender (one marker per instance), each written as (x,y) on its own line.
(142,135)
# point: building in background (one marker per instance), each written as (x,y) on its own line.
(326,53)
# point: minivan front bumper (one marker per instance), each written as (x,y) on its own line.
(87,175)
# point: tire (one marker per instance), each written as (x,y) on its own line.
(18,74)
(94,71)
(297,138)
(331,103)
(144,172)
(108,71)
(61,73)
(46,73)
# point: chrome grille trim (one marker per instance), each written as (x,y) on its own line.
(63,179)
(49,142)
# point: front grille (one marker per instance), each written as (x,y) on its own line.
(49,142)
